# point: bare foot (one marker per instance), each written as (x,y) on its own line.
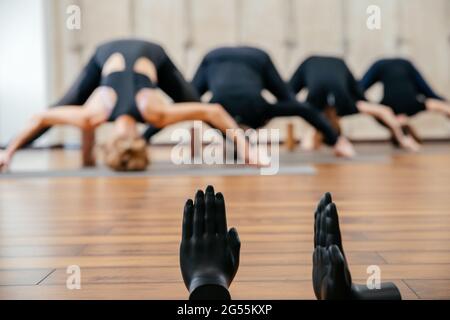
(344,148)
(409,130)
(5,160)
(307,145)
(410,144)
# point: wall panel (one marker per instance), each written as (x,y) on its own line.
(263,25)
(424,39)
(164,22)
(365,45)
(318,29)
(214,23)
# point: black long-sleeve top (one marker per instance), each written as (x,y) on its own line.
(329,82)
(404,88)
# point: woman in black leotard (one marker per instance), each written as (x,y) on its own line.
(236,76)
(118,84)
(331,85)
(405,90)
(170,80)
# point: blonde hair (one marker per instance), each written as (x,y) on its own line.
(126,154)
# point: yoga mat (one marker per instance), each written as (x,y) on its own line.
(159,170)
(329,158)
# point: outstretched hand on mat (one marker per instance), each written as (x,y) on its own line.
(209,253)
(331,276)
(5,160)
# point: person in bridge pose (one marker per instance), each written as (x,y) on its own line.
(119,85)
(405,90)
(333,90)
(236,76)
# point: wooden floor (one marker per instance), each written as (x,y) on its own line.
(124,233)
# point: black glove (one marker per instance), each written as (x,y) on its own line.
(326,224)
(331,275)
(209,255)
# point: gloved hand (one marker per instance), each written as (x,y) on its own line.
(209,255)
(326,224)
(331,275)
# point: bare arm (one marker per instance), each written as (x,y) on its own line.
(387,117)
(70,115)
(78,93)
(213,114)
(382,113)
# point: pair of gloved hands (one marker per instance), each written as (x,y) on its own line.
(209,253)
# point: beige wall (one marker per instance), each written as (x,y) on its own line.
(289,30)
(22,30)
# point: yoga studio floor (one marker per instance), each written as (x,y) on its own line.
(124,231)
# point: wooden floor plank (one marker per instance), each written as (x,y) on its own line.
(416,257)
(21,277)
(39,251)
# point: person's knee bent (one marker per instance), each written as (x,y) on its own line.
(159,117)
(150,104)
(38,120)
